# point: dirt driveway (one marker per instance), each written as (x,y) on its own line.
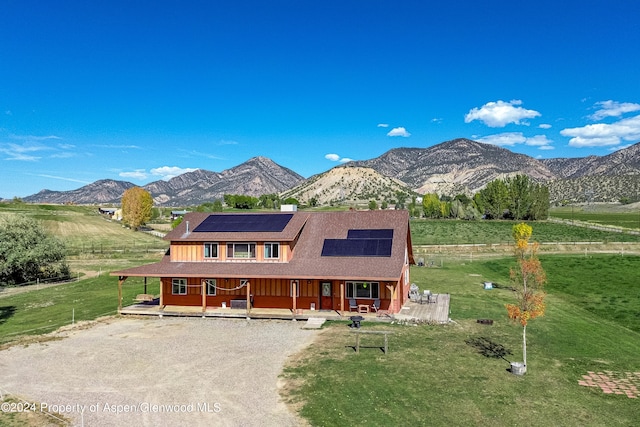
(160,372)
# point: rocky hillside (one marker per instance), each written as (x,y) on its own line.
(453,167)
(621,162)
(255,177)
(102,191)
(348,185)
(456,166)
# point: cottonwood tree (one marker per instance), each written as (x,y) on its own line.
(528,279)
(136,207)
(28,252)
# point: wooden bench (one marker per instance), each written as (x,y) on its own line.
(144,298)
(239,303)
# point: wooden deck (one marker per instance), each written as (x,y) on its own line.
(437,311)
(153,309)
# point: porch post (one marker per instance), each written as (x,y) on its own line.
(121,280)
(248,298)
(161,294)
(294,292)
(391,307)
(204,295)
(341,299)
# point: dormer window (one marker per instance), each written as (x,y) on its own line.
(241,250)
(271,250)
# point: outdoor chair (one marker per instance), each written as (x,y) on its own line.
(376,305)
(352,304)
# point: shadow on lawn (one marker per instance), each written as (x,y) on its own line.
(6,312)
(488,348)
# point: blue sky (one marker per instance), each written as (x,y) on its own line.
(142,90)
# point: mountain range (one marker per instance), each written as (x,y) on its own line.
(452,167)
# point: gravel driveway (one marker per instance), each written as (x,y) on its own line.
(160,372)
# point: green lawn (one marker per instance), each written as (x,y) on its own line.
(45,310)
(431,376)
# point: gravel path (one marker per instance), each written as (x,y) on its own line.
(165,372)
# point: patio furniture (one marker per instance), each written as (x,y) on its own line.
(414,292)
(355,321)
(424,298)
(363,308)
(376,305)
(353,305)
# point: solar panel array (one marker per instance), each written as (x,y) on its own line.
(361,243)
(244,223)
(373,233)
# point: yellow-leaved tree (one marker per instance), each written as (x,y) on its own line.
(136,207)
(528,279)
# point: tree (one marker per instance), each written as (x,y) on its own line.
(520,195)
(28,252)
(136,207)
(528,279)
(495,199)
(431,205)
(373,205)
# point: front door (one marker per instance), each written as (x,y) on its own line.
(326,302)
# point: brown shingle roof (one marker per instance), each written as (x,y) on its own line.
(307,261)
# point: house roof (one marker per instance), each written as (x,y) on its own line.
(307,262)
(185,231)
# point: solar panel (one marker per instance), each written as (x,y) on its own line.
(357,247)
(374,233)
(244,223)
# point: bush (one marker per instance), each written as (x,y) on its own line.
(28,252)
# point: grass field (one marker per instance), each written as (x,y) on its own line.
(84,231)
(455,232)
(431,376)
(630,220)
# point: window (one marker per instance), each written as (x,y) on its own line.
(241,250)
(179,286)
(211,286)
(211,250)
(271,250)
(363,290)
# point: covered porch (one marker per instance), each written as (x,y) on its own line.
(153,308)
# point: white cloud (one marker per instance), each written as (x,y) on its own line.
(136,174)
(500,113)
(228,142)
(336,158)
(620,147)
(513,138)
(23,151)
(168,172)
(604,134)
(400,131)
(508,138)
(436,120)
(383,125)
(62,178)
(544,126)
(613,109)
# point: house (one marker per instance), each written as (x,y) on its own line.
(289,260)
(177,214)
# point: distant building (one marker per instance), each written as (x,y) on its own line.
(177,214)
